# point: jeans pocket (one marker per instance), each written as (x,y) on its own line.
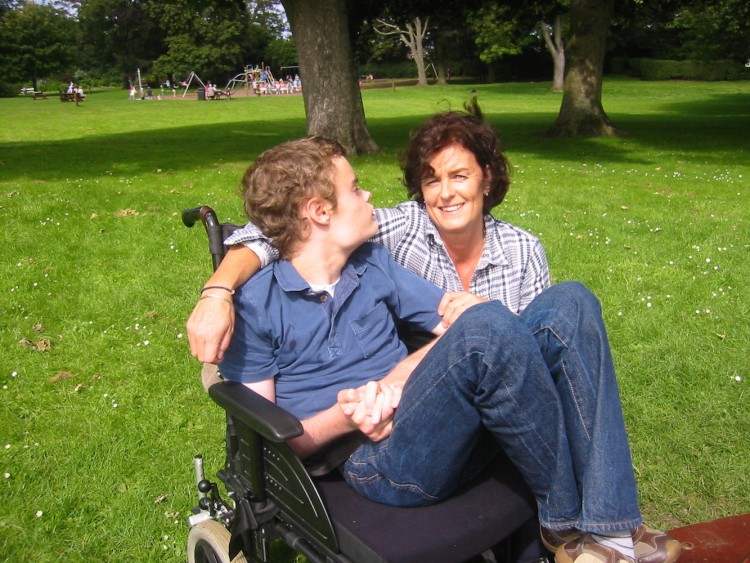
(363,474)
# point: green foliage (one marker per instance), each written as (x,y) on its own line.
(713,29)
(705,30)
(102,409)
(280,52)
(209,42)
(36,41)
(497,32)
(404,69)
(652,69)
(117,37)
(268,15)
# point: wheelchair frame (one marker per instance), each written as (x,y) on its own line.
(271,495)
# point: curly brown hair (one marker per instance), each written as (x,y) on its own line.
(279,182)
(467,129)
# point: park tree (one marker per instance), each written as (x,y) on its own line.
(553,40)
(116,37)
(713,29)
(449,39)
(682,29)
(36,41)
(6,6)
(280,53)
(333,103)
(269,15)
(204,37)
(498,32)
(412,34)
(516,26)
(581,112)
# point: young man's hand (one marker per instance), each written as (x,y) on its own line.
(371,408)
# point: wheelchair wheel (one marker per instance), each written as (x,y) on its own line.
(208,542)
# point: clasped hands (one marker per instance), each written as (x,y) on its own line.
(371,407)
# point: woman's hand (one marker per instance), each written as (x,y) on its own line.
(210,329)
(456,302)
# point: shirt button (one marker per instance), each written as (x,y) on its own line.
(324,298)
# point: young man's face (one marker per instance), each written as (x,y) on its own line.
(352,222)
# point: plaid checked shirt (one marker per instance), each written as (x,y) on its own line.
(513,268)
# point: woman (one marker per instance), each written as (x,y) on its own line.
(455,173)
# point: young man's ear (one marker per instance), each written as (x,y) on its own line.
(317,210)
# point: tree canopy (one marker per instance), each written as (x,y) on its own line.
(36,40)
(108,40)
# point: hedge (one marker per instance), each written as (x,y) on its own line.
(654,69)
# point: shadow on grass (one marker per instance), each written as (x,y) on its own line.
(134,153)
(713,129)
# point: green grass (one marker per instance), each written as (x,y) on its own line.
(102,408)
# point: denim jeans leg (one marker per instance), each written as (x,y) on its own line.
(486,371)
(566,320)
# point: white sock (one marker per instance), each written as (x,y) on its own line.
(621,541)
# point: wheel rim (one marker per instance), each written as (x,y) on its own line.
(205,553)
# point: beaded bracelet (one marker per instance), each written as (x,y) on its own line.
(216,297)
(231,291)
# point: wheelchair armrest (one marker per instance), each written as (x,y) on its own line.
(261,415)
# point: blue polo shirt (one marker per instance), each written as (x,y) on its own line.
(314,344)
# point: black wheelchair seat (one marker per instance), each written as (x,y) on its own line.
(473,520)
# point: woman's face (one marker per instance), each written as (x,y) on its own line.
(454,194)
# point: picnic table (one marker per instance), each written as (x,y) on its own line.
(35,94)
(70,97)
(219,94)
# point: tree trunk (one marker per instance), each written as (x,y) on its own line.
(581,112)
(415,43)
(333,102)
(439,62)
(413,38)
(556,48)
(421,71)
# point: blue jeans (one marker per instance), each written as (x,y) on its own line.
(543,385)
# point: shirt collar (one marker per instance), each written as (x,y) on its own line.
(291,281)
(493,247)
(492,254)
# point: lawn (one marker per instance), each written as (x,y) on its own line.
(102,407)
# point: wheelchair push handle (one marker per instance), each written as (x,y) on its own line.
(214,230)
(203,213)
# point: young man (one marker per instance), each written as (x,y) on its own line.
(315,333)
(319,321)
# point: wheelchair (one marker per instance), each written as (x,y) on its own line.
(271,497)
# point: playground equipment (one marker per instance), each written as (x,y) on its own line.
(189,81)
(260,80)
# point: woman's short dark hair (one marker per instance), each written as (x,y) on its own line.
(467,129)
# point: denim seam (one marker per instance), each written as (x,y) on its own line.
(415,489)
(567,379)
(512,397)
(431,388)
